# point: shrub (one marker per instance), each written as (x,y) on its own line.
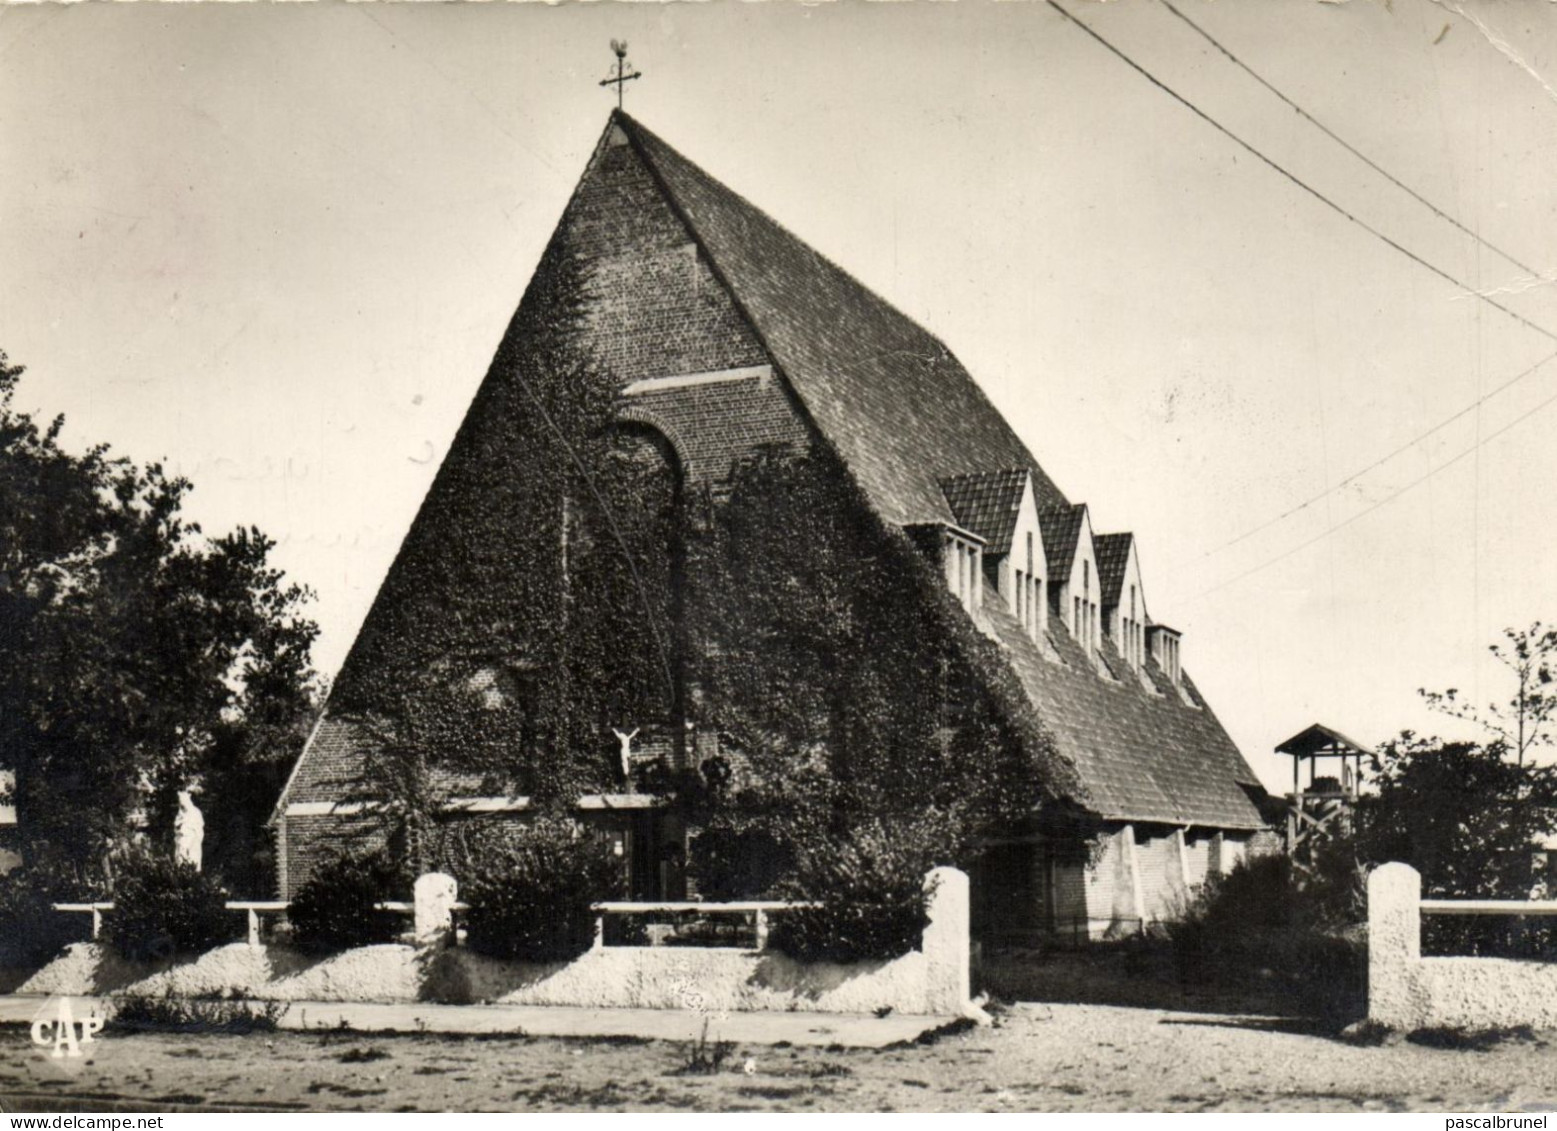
(869,893)
(334,909)
(704,1057)
(732,864)
(529,897)
(1258,928)
(207,1014)
(165,907)
(31,931)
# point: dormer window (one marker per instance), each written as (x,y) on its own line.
(1084,612)
(1122,596)
(962,555)
(998,509)
(1164,642)
(1083,622)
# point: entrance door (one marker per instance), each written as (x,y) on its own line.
(656,857)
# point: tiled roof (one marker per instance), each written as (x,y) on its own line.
(1318,737)
(987,502)
(1140,756)
(1113,554)
(1061,529)
(901,411)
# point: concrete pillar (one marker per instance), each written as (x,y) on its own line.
(434,897)
(1133,869)
(1395,996)
(947,947)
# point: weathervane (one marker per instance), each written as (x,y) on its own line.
(622,77)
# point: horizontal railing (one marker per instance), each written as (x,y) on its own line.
(759,909)
(1489,906)
(254,908)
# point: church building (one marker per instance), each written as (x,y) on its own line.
(724,335)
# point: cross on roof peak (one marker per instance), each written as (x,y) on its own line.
(622,76)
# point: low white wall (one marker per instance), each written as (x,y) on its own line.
(932,980)
(1407,991)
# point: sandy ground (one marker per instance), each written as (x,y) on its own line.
(1038,1058)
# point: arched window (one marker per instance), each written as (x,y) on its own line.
(623,573)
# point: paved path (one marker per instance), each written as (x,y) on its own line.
(847,1029)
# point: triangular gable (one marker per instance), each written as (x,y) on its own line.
(642,264)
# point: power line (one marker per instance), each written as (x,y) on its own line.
(1356,475)
(1390,498)
(1295,179)
(1346,145)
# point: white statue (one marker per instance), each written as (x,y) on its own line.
(627,751)
(188,830)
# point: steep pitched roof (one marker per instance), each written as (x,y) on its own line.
(987,503)
(901,411)
(1061,530)
(1113,555)
(1140,756)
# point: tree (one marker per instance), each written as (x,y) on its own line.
(1462,814)
(1526,720)
(137,656)
(1469,819)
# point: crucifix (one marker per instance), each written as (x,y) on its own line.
(622,77)
(627,752)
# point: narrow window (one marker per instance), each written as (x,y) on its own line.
(1031,623)
(1017,593)
(1086,603)
(1127,637)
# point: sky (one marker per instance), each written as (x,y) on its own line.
(275,246)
